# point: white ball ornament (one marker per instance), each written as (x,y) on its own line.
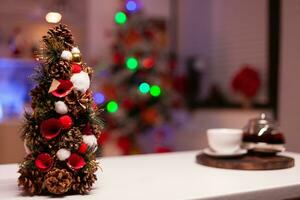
(81,81)
(75,50)
(91,141)
(61,107)
(63,154)
(66,55)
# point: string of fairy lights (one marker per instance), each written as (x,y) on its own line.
(131,63)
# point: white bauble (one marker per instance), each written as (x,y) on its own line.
(90,140)
(63,154)
(81,81)
(61,107)
(75,50)
(27,150)
(66,55)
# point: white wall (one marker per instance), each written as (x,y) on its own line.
(194,28)
(226,34)
(239,36)
(289,95)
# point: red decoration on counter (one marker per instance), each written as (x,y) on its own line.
(66,122)
(76,68)
(76,161)
(50,128)
(63,89)
(82,148)
(43,162)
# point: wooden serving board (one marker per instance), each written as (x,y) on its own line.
(247,162)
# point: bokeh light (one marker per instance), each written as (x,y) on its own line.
(144,88)
(120,18)
(99,97)
(148,62)
(131,6)
(132,63)
(53,17)
(155,90)
(112,106)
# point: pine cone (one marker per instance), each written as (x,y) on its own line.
(58,181)
(31,180)
(60,70)
(76,101)
(83,183)
(72,139)
(62,32)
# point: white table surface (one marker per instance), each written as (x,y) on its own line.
(173,176)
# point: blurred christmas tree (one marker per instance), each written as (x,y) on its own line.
(138,88)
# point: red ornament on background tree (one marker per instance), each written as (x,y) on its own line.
(124,144)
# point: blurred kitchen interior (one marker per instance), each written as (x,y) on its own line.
(214,43)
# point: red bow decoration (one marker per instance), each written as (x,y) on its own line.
(50,128)
(43,162)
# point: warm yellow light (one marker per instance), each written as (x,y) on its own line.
(53,17)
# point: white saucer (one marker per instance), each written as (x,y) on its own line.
(212,153)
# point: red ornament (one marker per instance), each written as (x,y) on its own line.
(124,144)
(82,148)
(43,162)
(50,128)
(63,89)
(103,137)
(76,161)
(148,62)
(76,68)
(66,122)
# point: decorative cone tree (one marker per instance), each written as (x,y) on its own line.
(60,134)
(138,84)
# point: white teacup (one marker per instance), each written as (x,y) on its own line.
(223,140)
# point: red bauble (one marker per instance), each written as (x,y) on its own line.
(66,122)
(76,68)
(148,62)
(76,161)
(43,162)
(82,148)
(63,89)
(50,128)
(124,144)
(103,137)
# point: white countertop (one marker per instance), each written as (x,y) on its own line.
(173,176)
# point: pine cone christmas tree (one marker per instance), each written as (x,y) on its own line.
(60,135)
